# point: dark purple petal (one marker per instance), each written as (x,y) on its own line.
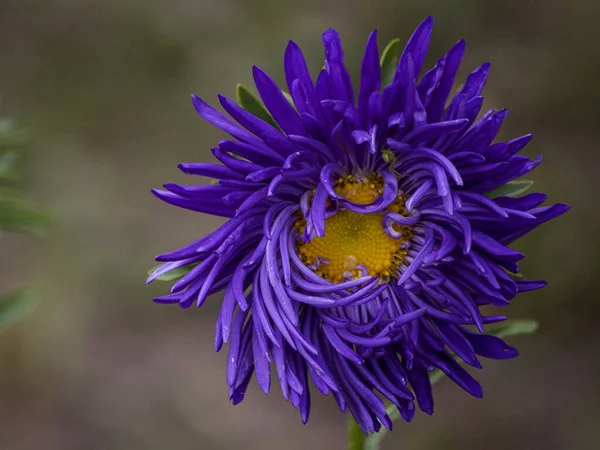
(341,85)
(370,74)
(216,207)
(440,95)
(283,113)
(249,121)
(217,119)
(297,71)
(418,45)
(491,346)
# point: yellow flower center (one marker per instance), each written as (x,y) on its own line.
(355,242)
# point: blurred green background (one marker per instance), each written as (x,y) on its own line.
(103,87)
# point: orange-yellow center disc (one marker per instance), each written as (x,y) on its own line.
(353,241)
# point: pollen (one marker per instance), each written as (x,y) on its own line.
(356,244)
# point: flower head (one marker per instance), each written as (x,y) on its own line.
(363,234)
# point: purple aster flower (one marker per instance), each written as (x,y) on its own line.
(363,234)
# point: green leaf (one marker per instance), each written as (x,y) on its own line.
(7,165)
(514,327)
(289,98)
(14,306)
(253,105)
(511,189)
(356,437)
(516,276)
(10,136)
(6,126)
(19,214)
(174,274)
(389,61)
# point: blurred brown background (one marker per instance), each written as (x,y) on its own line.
(104,87)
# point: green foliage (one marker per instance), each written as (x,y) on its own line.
(356,437)
(17,213)
(11,138)
(516,276)
(514,327)
(253,105)
(511,189)
(174,274)
(14,306)
(389,61)
(7,165)
(289,98)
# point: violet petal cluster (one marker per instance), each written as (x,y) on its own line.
(366,339)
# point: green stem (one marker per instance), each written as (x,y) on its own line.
(356,437)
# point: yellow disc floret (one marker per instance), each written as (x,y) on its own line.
(356,244)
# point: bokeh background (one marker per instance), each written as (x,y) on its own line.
(103,86)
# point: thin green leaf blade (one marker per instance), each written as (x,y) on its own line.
(514,328)
(511,189)
(253,105)
(172,275)
(516,276)
(14,306)
(389,61)
(289,98)
(10,136)
(19,214)
(7,165)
